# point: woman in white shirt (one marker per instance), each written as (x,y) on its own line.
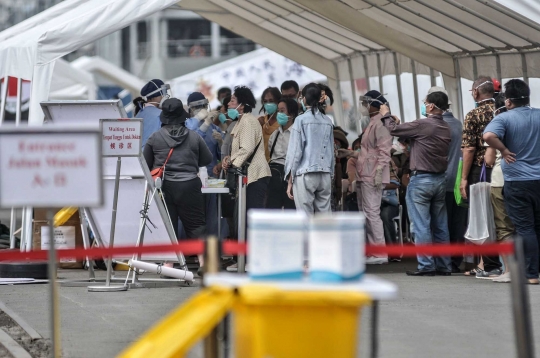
(278,144)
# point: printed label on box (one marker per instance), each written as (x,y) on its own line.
(64,238)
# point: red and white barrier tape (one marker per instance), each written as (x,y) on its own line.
(196,247)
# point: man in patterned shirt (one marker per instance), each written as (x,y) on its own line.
(473,146)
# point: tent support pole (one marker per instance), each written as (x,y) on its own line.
(339,118)
(398,83)
(415,85)
(3,100)
(18,113)
(459,88)
(354,99)
(366,72)
(379,69)
(474,68)
(432,77)
(524,68)
(499,70)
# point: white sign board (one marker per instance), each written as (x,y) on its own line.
(121,137)
(50,167)
(64,238)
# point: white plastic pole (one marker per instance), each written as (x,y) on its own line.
(159,269)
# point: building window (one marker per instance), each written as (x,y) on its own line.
(188,38)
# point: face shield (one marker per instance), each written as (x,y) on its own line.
(196,106)
(366,102)
(164,91)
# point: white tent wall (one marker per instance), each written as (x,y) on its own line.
(31,55)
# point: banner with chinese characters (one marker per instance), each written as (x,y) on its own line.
(258,70)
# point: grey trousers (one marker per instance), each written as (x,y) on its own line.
(312,192)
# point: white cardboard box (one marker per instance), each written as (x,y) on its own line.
(336,247)
(64,238)
(276,244)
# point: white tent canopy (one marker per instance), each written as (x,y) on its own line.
(355,39)
(346,40)
(31,54)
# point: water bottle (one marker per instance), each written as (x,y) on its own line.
(203,175)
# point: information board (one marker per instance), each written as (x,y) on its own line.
(121,137)
(50,167)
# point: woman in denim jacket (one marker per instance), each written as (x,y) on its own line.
(310,156)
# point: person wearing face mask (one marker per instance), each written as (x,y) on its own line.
(430,145)
(269,99)
(457,215)
(278,145)
(473,149)
(248,143)
(309,165)
(202,122)
(147,107)
(515,134)
(373,171)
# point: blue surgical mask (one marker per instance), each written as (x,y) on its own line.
(270,108)
(233,113)
(282,118)
(303,105)
(423,110)
(222,118)
(357,150)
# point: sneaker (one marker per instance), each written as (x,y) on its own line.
(485,275)
(376,261)
(232,268)
(504,278)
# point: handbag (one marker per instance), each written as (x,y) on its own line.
(158,172)
(277,170)
(233,173)
(457,192)
(481,220)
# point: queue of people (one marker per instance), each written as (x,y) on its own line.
(294,157)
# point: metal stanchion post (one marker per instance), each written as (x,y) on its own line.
(374,329)
(520,302)
(241,221)
(12,226)
(53,290)
(108,287)
(211,264)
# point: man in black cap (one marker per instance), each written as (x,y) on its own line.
(181,152)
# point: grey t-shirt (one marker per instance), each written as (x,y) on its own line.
(456,130)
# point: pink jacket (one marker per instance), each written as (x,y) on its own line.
(375,151)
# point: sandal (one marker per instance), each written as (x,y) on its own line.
(473,272)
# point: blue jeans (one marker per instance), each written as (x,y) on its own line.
(522,201)
(429,222)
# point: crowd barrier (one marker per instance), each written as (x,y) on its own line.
(197,247)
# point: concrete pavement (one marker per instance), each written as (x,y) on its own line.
(443,317)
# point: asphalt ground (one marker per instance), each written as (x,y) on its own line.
(441,317)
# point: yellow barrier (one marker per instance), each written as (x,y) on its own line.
(174,335)
(63,215)
(270,322)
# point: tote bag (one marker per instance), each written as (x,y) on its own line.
(481,221)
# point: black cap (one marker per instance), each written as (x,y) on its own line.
(172,112)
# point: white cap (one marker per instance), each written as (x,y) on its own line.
(439,89)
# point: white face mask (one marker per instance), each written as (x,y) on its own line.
(364,111)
